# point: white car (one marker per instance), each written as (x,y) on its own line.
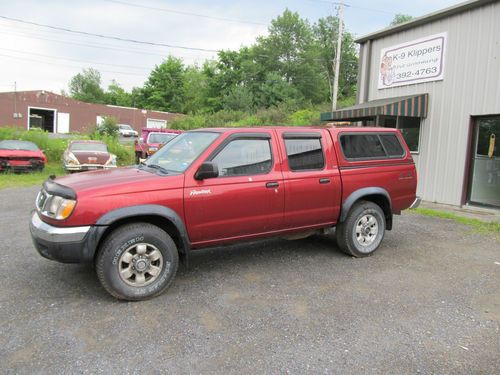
(127,131)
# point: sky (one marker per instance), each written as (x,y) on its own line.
(39,58)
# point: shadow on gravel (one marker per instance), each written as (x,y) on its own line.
(54,280)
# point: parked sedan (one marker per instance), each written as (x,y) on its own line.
(127,131)
(88,155)
(21,156)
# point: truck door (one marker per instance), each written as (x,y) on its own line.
(311,178)
(246,199)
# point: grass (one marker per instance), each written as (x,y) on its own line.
(10,180)
(477,225)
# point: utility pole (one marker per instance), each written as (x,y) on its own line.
(340,17)
(15,100)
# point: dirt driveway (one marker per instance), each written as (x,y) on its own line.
(427,302)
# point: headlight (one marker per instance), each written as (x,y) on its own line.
(153,149)
(111,160)
(57,207)
(71,159)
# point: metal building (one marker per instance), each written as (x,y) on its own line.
(437,79)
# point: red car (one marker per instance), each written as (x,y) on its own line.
(20,156)
(88,155)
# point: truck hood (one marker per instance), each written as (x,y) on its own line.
(21,154)
(126,180)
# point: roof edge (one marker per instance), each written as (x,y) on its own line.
(454,9)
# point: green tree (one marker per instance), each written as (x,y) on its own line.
(195,88)
(116,95)
(86,86)
(326,37)
(289,50)
(239,98)
(400,18)
(164,89)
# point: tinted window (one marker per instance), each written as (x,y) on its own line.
(391,145)
(90,146)
(304,154)
(18,145)
(362,146)
(244,157)
(410,130)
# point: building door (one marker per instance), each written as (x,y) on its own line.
(42,118)
(62,122)
(485,176)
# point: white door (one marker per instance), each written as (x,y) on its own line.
(153,123)
(62,122)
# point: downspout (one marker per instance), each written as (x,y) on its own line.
(366,70)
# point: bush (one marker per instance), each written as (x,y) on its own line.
(108,127)
(279,115)
(54,147)
(188,122)
(304,117)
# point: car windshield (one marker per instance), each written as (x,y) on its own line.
(178,154)
(81,146)
(18,145)
(161,137)
(125,127)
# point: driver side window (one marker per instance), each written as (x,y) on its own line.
(243,157)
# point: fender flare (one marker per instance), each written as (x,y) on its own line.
(356,195)
(147,210)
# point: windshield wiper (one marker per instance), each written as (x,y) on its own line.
(156,166)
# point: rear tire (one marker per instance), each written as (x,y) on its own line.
(362,231)
(137,261)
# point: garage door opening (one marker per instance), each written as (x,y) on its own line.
(44,119)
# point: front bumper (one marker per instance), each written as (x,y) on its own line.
(65,244)
(87,167)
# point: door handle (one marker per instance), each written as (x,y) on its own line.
(271,185)
(324,180)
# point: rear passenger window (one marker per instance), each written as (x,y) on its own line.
(243,157)
(304,154)
(392,145)
(370,146)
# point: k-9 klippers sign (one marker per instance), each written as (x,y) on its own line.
(420,60)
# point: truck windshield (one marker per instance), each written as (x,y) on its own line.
(179,153)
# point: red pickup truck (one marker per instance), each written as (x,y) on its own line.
(151,140)
(216,186)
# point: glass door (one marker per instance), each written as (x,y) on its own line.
(485,176)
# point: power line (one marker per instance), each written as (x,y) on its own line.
(186,13)
(352,6)
(67,65)
(93,45)
(74,60)
(108,36)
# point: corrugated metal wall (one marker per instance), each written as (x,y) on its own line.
(471,87)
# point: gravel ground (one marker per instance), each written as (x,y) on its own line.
(427,302)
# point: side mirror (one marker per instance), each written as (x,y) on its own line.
(207,170)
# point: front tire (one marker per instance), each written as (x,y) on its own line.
(362,231)
(137,261)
